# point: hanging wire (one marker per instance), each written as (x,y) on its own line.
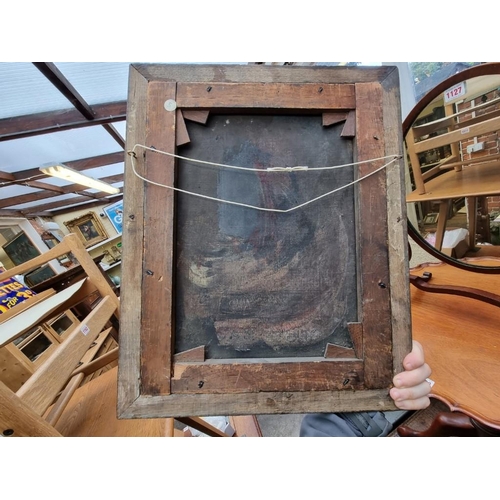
(133,156)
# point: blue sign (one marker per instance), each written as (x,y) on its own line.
(115,215)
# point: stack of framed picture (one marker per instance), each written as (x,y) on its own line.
(21,249)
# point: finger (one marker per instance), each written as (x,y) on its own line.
(413,377)
(415,358)
(411,393)
(413,404)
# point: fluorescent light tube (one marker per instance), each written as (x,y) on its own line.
(67,173)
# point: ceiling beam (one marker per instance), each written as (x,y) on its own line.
(96,161)
(65,203)
(86,206)
(11,213)
(25,198)
(57,121)
(6,176)
(83,164)
(46,186)
(115,134)
(52,73)
(57,191)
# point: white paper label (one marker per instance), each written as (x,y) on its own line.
(455,92)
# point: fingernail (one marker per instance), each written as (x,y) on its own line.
(396,395)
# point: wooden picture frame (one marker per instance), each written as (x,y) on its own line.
(161,374)
(39,275)
(88,228)
(20,249)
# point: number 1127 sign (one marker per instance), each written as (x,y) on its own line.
(455,92)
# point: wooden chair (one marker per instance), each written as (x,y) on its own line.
(71,244)
(453,177)
(53,401)
(33,313)
(21,413)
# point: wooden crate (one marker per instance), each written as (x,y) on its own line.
(230,310)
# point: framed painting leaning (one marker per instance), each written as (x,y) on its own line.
(20,249)
(88,228)
(265,251)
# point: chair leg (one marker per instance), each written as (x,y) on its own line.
(445,424)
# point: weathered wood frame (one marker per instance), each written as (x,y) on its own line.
(152,381)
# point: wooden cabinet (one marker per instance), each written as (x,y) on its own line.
(23,356)
(61,326)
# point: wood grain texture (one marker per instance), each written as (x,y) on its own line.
(373,256)
(133,247)
(196,115)
(397,228)
(356,332)
(265,74)
(157,282)
(265,95)
(477,180)
(92,413)
(450,120)
(195,354)
(462,343)
(181,132)
(63,399)
(446,165)
(333,117)
(349,129)
(18,417)
(39,391)
(294,375)
(279,394)
(491,125)
(245,426)
(14,370)
(178,405)
(335,351)
(98,363)
(95,276)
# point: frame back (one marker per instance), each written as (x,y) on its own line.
(235,302)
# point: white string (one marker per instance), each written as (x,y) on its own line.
(22,181)
(252,169)
(263,209)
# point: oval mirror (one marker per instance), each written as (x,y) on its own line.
(453,175)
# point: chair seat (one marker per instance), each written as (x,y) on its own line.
(91,412)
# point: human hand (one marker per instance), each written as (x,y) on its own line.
(411,389)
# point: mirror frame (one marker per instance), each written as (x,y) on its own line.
(473,72)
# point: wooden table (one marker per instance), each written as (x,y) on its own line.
(461,340)
(470,183)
